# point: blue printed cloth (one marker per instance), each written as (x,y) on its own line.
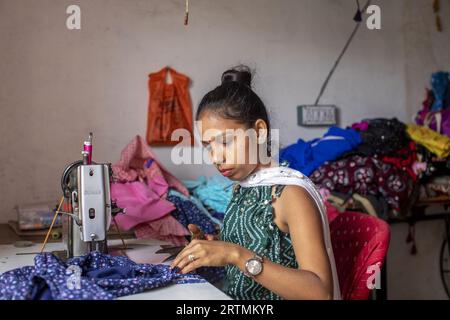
(187,212)
(213,215)
(218,215)
(94,276)
(191,211)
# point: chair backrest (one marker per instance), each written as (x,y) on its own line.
(360,244)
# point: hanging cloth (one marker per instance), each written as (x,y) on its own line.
(287,176)
(169,108)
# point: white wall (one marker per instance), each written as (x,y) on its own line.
(57,85)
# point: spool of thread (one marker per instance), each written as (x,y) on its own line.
(87,146)
(56,235)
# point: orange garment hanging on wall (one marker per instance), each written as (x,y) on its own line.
(169,107)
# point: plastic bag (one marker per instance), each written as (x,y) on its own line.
(169,108)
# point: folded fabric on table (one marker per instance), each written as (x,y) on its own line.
(366,176)
(308,156)
(215,192)
(137,162)
(94,276)
(142,204)
(187,212)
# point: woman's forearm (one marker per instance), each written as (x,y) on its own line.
(289,283)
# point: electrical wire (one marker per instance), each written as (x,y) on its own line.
(341,55)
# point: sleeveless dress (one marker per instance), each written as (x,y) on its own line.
(249,223)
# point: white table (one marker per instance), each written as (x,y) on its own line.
(140,251)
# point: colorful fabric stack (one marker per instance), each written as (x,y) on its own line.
(375,170)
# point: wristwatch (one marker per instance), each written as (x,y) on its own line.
(254,266)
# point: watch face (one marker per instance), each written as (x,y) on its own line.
(254,267)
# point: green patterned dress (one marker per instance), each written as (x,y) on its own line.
(249,223)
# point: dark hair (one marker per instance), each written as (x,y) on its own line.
(234,99)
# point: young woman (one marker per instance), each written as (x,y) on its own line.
(275,241)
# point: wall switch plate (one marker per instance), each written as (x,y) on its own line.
(317,116)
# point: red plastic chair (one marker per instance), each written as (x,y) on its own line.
(360,241)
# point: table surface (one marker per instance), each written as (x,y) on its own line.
(140,251)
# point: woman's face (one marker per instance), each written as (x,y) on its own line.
(232,146)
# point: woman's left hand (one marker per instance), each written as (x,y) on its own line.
(206,253)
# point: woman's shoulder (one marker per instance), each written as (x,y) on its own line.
(294,193)
(295,199)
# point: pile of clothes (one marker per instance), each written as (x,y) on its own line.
(432,133)
(158,205)
(369,163)
(374,164)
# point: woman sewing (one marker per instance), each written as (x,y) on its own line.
(275,239)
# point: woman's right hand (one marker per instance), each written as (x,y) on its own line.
(198,234)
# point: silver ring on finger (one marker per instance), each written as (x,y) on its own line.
(191,258)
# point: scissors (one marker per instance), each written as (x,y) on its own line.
(172,250)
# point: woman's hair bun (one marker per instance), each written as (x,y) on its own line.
(240,74)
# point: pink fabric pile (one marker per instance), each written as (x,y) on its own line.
(141,187)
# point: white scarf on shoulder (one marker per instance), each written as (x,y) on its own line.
(287,176)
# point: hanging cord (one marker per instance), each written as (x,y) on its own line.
(347,44)
(186,15)
(436,10)
(51,226)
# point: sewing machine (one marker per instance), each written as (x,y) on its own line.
(87,215)
(89,210)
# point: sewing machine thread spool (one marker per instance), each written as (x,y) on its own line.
(56,235)
(87,146)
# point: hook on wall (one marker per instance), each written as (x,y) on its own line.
(358,15)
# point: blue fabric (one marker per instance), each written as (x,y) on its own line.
(213,275)
(218,215)
(40,290)
(102,277)
(187,212)
(214,192)
(191,210)
(306,157)
(440,83)
(199,204)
